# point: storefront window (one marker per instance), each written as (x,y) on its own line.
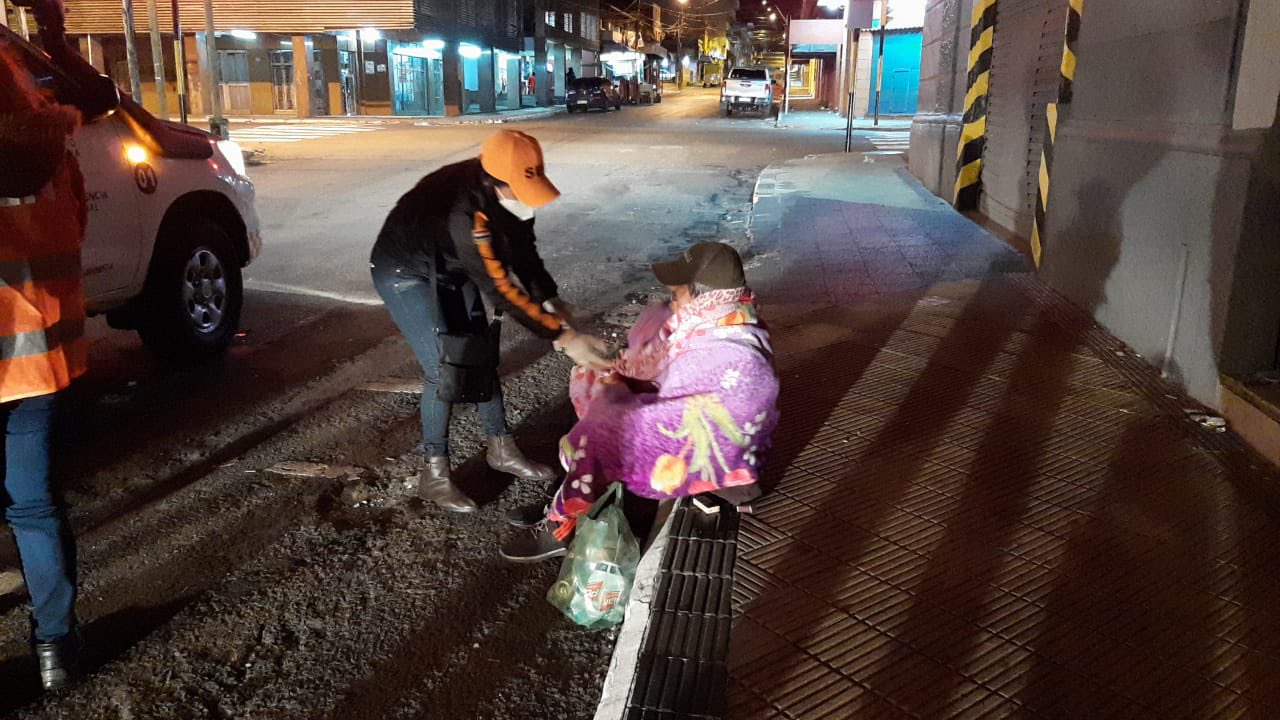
(508,81)
(282,93)
(469,56)
(418,77)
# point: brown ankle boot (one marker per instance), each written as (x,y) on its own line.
(504,456)
(436,485)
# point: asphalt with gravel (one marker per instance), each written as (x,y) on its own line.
(222,579)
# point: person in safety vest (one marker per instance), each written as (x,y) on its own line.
(456,247)
(43,213)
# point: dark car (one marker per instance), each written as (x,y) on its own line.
(593,92)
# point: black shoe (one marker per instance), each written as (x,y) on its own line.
(534,546)
(58,661)
(526,517)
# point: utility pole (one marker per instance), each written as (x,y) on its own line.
(884,22)
(157,58)
(180,57)
(212,78)
(131,49)
(680,48)
(24,28)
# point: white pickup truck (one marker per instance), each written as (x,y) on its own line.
(171,218)
(746,89)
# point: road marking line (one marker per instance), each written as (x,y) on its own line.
(294,133)
(283,288)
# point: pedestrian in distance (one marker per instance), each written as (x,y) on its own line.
(456,254)
(569,77)
(43,213)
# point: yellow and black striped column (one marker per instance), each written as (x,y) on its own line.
(973,134)
(1066,90)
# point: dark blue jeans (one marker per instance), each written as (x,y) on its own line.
(417,312)
(39,528)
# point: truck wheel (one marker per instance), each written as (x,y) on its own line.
(194,292)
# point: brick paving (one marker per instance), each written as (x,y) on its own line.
(981,504)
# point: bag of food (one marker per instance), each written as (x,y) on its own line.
(595,580)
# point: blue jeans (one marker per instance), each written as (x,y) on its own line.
(418,313)
(39,528)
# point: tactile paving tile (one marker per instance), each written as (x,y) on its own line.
(1003,513)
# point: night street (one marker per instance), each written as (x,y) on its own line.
(184,530)
(657,360)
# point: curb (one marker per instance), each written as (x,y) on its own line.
(624,666)
(528,117)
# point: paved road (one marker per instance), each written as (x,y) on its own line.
(164,467)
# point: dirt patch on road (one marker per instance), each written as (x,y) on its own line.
(341,597)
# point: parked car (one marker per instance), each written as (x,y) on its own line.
(592,92)
(711,79)
(746,89)
(650,92)
(171,219)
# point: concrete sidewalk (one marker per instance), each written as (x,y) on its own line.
(503,116)
(828,120)
(982,504)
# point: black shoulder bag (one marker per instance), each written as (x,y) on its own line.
(468,359)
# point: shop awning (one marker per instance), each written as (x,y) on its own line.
(656,50)
(613,47)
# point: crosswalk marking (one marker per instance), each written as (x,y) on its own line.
(297,132)
(890,143)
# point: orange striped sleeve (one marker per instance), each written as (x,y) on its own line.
(497,272)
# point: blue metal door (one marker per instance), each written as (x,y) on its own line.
(900,93)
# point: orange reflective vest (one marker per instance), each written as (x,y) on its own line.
(42,345)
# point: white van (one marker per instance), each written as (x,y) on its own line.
(171,221)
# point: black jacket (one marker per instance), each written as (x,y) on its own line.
(451,225)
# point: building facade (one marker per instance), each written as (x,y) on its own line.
(330,57)
(1132,146)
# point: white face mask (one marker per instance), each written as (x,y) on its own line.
(517,208)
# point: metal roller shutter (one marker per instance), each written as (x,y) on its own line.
(1025,70)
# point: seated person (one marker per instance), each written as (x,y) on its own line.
(688,408)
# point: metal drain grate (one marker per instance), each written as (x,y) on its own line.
(682,669)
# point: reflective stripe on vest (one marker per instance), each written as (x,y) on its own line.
(38,342)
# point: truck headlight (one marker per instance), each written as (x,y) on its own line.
(234,155)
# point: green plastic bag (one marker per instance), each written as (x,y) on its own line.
(595,580)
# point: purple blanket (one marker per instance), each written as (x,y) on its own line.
(691,409)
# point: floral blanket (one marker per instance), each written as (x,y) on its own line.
(689,409)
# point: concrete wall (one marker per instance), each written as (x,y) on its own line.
(1162,217)
(1259,84)
(1149,177)
(935,132)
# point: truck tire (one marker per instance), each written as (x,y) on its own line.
(191,306)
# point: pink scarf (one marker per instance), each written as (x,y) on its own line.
(716,308)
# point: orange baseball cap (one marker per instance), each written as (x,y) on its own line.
(516,159)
